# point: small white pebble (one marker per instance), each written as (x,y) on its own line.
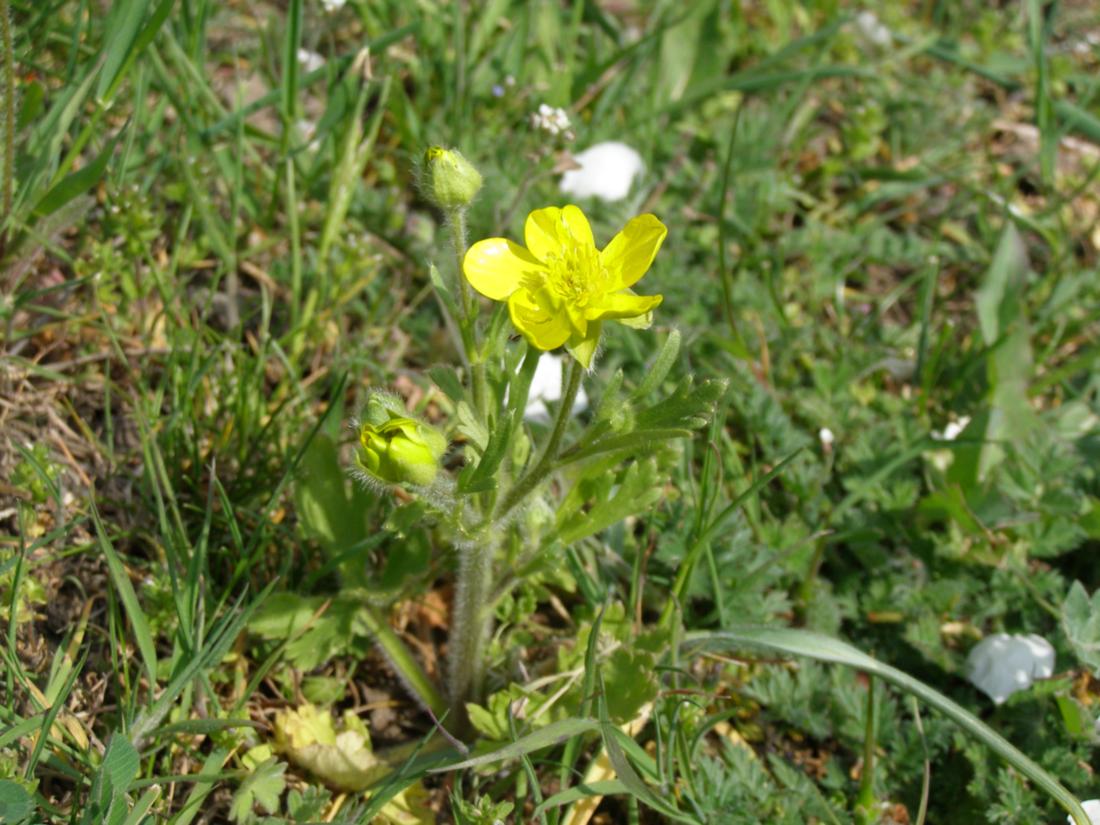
(546,389)
(607,171)
(1002,664)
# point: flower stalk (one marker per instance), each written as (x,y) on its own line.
(8,80)
(533,477)
(456,219)
(471,623)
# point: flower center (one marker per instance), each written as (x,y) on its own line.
(575,274)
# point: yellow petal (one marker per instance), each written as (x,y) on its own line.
(496,266)
(577,226)
(549,230)
(584,349)
(630,253)
(543,327)
(622,305)
(541,232)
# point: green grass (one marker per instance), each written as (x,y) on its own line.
(197,294)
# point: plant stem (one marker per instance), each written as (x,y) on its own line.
(470,626)
(545,462)
(456,219)
(865,802)
(9,111)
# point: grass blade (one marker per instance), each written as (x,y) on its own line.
(143,636)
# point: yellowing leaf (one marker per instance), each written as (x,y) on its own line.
(343,759)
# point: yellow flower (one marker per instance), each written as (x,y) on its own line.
(561,288)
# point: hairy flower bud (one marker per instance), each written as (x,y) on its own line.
(395,448)
(450,180)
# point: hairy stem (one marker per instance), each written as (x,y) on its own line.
(456,219)
(471,624)
(9,110)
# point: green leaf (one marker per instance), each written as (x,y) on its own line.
(827,649)
(121,26)
(263,788)
(447,380)
(608,787)
(661,365)
(1001,315)
(690,406)
(630,779)
(77,183)
(632,443)
(638,489)
(16,804)
(484,475)
(311,641)
(1081,623)
(471,427)
(679,45)
(630,680)
(34,96)
(553,734)
(999,300)
(107,803)
(142,634)
(121,762)
(283,614)
(445,295)
(1078,721)
(126,43)
(141,808)
(328,510)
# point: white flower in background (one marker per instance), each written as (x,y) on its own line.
(607,171)
(550,119)
(826,437)
(953,429)
(546,388)
(873,30)
(311,61)
(332,6)
(1092,810)
(1000,664)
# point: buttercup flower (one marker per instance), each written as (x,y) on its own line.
(561,288)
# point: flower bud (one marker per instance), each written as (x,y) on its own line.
(450,180)
(400,450)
